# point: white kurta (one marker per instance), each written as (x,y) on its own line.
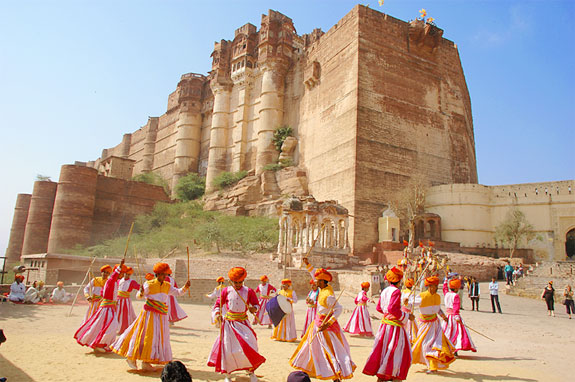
(17,291)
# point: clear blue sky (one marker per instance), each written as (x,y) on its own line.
(76,75)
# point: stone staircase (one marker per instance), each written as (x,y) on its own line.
(532,284)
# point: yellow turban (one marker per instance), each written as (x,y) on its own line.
(323,274)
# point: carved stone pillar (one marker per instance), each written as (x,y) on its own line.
(150,144)
(217,150)
(271,113)
(239,133)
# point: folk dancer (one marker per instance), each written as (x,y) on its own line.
(176,313)
(311,302)
(126,314)
(216,292)
(360,322)
(286,331)
(408,302)
(431,347)
(323,352)
(59,294)
(454,328)
(236,347)
(148,338)
(99,331)
(390,357)
(17,289)
(264,292)
(93,291)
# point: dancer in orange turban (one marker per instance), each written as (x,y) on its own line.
(360,323)
(264,291)
(454,328)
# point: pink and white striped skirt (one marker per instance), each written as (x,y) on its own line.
(390,357)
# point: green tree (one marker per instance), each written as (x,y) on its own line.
(514,230)
(190,187)
(280,135)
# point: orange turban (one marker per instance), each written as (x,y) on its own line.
(149,276)
(433,280)
(264,278)
(162,268)
(106,268)
(237,274)
(455,284)
(60,283)
(19,277)
(220,279)
(409,283)
(286,282)
(129,270)
(365,285)
(123,270)
(323,274)
(394,275)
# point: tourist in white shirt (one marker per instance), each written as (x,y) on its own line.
(494,292)
(59,295)
(17,289)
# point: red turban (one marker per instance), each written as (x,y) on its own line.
(149,276)
(323,274)
(286,282)
(311,282)
(19,277)
(394,275)
(220,279)
(365,285)
(409,283)
(264,278)
(237,274)
(433,280)
(405,243)
(454,284)
(162,268)
(106,268)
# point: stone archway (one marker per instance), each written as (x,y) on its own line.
(570,243)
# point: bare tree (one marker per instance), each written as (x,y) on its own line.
(514,230)
(409,202)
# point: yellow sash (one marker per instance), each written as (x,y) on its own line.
(105,302)
(123,294)
(236,316)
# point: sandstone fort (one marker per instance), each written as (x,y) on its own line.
(373,103)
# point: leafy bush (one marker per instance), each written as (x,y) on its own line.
(190,187)
(273,167)
(227,179)
(152,178)
(174,226)
(280,135)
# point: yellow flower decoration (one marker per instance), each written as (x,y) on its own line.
(423,12)
(381,3)
(430,20)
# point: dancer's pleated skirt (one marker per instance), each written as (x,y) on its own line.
(309,317)
(457,333)
(236,348)
(92,309)
(432,344)
(100,329)
(359,322)
(146,339)
(285,331)
(390,357)
(126,314)
(175,311)
(324,356)
(262,315)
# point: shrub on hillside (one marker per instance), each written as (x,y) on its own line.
(190,187)
(152,178)
(228,179)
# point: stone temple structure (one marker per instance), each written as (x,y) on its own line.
(372,102)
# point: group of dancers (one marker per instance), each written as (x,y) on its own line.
(323,351)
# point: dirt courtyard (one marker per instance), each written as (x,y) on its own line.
(529,345)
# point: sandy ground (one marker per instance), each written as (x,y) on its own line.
(529,346)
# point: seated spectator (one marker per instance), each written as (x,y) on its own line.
(31,296)
(298,376)
(175,371)
(59,295)
(42,292)
(17,289)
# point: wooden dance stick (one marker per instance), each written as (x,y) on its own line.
(128,241)
(248,305)
(416,285)
(328,315)
(80,288)
(481,334)
(138,266)
(188,249)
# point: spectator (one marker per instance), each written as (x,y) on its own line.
(298,376)
(508,273)
(59,295)
(460,291)
(175,371)
(474,293)
(17,289)
(569,305)
(549,297)
(494,292)
(42,292)
(32,296)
